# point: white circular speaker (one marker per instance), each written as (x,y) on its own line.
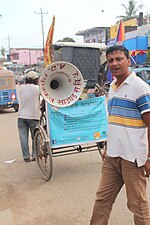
(61,84)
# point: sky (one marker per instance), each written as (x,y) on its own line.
(21,24)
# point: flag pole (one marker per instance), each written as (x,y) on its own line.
(133,59)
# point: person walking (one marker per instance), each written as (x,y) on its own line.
(127,159)
(29,113)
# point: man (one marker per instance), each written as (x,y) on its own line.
(128,143)
(29,113)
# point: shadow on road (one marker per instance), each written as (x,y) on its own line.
(5,111)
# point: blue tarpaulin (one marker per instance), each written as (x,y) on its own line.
(83,122)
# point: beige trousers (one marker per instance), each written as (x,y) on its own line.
(115,173)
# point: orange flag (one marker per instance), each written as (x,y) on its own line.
(120,34)
(48,45)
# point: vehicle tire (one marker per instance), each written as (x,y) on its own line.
(16,107)
(43,153)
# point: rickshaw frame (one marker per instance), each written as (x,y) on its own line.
(44,152)
(89,67)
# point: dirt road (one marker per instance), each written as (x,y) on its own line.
(67,199)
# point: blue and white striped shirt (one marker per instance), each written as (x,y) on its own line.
(127,134)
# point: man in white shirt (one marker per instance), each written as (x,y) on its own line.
(29,113)
(128,142)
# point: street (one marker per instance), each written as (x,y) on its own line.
(67,199)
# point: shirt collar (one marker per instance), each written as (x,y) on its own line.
(126,81)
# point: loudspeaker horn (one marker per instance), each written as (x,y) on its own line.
(61,84)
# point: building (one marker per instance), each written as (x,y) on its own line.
(95,34)
(128,25)
(25,56)
(138,47)
(143,30)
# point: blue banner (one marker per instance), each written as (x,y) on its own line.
(83,122)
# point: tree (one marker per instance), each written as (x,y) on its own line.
(131,10)
(3,51)
(67,39)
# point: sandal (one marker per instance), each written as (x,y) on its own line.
(27,160)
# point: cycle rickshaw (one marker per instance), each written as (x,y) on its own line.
(69,124)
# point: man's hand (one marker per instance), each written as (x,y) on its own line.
(147,168)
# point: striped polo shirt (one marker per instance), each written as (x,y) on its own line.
(127,133)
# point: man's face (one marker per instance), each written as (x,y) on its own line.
(118,63)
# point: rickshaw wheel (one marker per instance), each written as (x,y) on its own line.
(43,154)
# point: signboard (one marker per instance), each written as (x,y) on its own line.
(83,122)
(114,29)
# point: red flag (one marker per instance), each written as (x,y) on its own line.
(120,35)
(48,45)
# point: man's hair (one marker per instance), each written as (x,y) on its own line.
(121,48)
(31,81)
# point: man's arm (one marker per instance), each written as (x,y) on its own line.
(146,118)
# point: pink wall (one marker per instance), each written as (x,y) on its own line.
(26,56)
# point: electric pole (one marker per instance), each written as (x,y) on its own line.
(8,56)
(41,13)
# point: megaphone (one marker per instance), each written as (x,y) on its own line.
(61,84)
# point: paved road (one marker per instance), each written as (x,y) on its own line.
(67,199)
